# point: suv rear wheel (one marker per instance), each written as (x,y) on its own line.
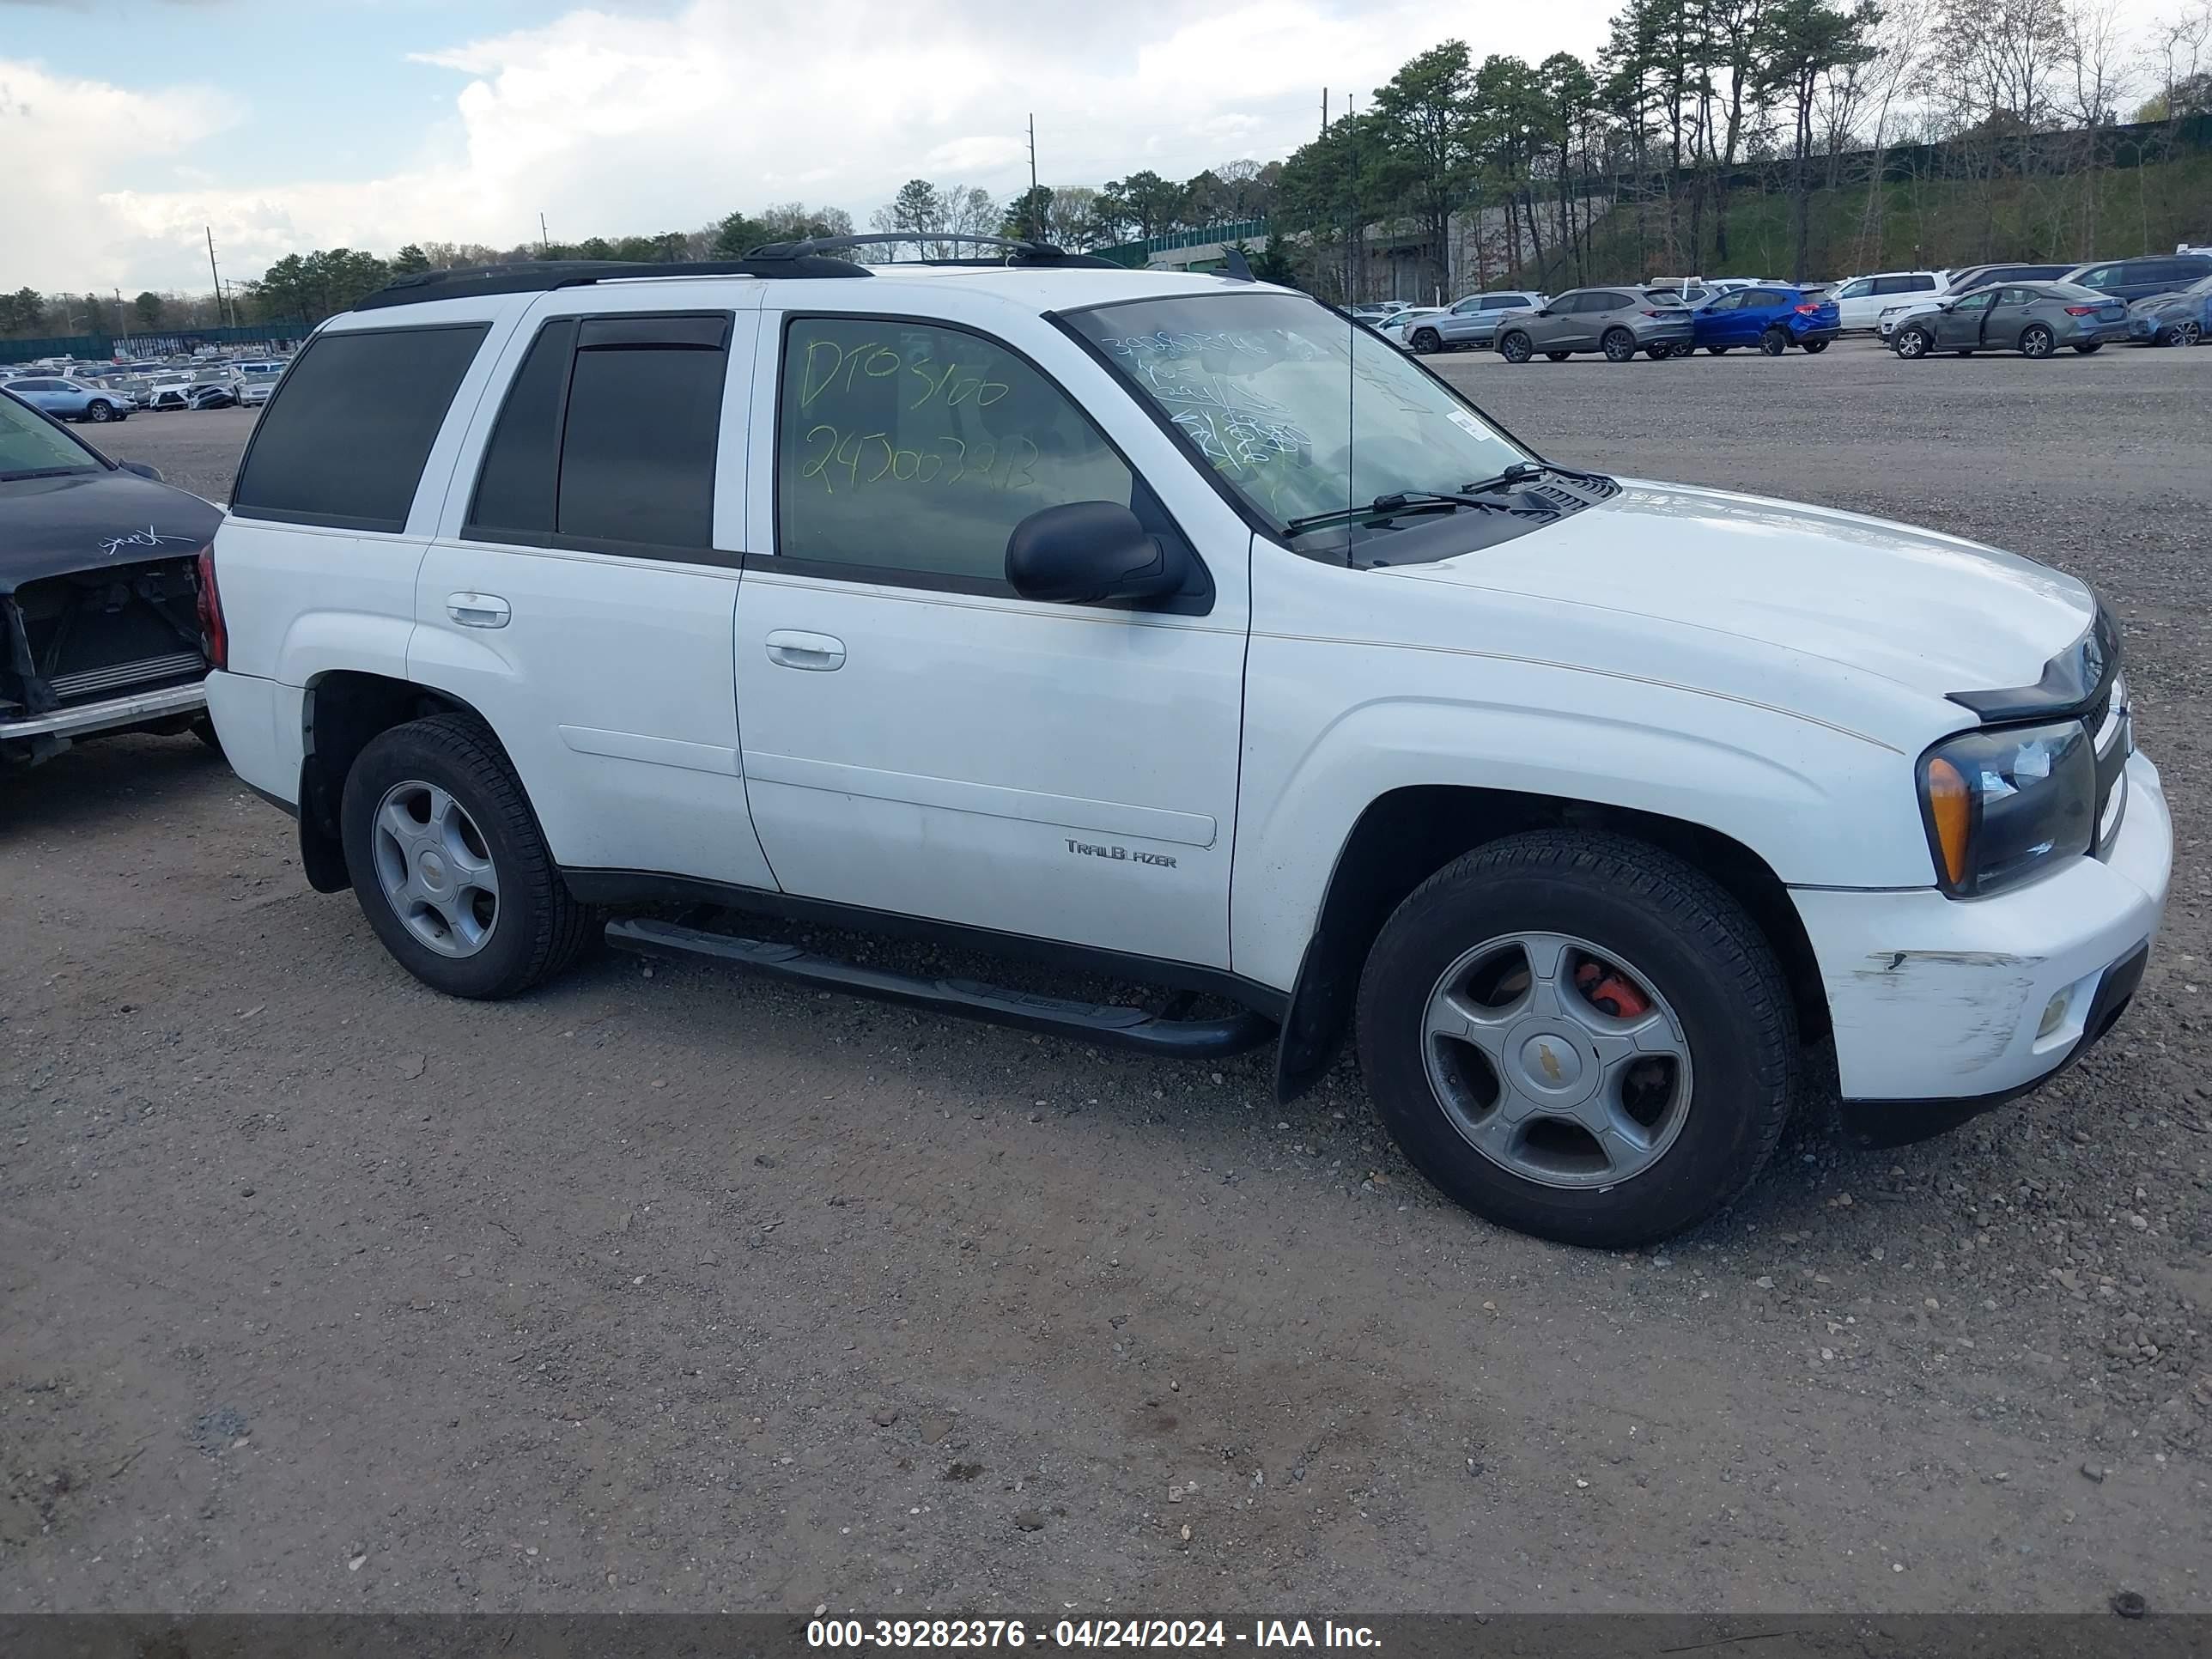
(1514,346)
(1619,345)
(1578,1035)
(449,865)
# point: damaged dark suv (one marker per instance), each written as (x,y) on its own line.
(100,584)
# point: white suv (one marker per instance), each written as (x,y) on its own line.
(1862,299)
(1173,627)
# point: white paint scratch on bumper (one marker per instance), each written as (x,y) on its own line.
(1937,999)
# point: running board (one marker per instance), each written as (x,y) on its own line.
(1111,1025)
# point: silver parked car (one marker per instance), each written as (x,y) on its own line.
(1470,322)
(1620,322)
(2034,319)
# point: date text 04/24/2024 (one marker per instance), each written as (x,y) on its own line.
(834,1633)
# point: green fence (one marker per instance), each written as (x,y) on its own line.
(1135,254)
(153,343)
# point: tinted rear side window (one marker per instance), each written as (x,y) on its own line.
(608,437)
(343,441)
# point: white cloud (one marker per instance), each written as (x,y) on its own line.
(610,124)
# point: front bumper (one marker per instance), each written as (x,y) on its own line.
(112,714)
(1937,1003)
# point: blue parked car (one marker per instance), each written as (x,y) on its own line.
(68,400)
(1770,316)
(2182,319)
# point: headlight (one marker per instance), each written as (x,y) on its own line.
(2001,805)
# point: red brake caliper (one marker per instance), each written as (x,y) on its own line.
(1610,992)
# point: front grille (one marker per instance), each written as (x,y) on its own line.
(104,681)
(2114,723)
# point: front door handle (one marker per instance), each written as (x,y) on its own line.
(788,648)
(478,609)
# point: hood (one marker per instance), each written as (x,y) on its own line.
(90,520)
(1930,612)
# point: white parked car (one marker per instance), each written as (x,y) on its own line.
(1861,300)
(1161,625)
(169,391)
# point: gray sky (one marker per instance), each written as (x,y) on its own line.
(124,127)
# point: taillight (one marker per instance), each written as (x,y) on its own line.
(215,638)
(1807,310)
(2081,311)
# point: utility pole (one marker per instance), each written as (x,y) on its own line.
(1036,229)
(541,236)
(213,276)
(1324,111)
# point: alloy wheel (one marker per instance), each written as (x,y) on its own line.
(1556,1061)
(435,868)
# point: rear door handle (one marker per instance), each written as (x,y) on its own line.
(788,648)
(478,609)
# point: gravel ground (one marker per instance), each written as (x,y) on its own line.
(672,1290)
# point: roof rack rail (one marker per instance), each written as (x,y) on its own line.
(1020,251)
(543,275)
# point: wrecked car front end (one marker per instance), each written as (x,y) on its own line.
(99,594)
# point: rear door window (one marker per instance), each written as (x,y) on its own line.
(608,438)
(343,441)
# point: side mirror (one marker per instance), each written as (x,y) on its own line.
(142,469)
(1085,552)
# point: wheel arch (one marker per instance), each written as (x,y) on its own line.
(1406,836)
(344,710)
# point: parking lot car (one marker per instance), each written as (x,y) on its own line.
(1161,626)
(69,400)
(1771,319)
(2182,318)
(98,588)
(2034,319)
(2138,279)
(1620,322)
(1861,300)
(1964,282)
(169,391)
(254,393)
(1380,312)
(211,394)
(1473,321)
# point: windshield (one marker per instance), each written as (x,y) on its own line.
(1298,413)
(31,447)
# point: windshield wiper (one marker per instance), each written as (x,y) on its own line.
(1528,471)
(45,472)
(1404,500)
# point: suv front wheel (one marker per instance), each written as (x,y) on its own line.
(450,866)
(1580,1036)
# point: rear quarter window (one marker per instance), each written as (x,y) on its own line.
(343,439)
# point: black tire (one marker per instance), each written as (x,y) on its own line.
(1814,346)
(540,928)
(1513,346)
(2090,348)
(1913,342)
(2037,341)
(203,729)
(1699,951)
(1559,357)
(1659,354)
(100,411)
(1774,342)
(1619,346)
(1426,340)
(1718,351)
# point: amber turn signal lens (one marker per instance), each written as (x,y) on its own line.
(1951,807)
